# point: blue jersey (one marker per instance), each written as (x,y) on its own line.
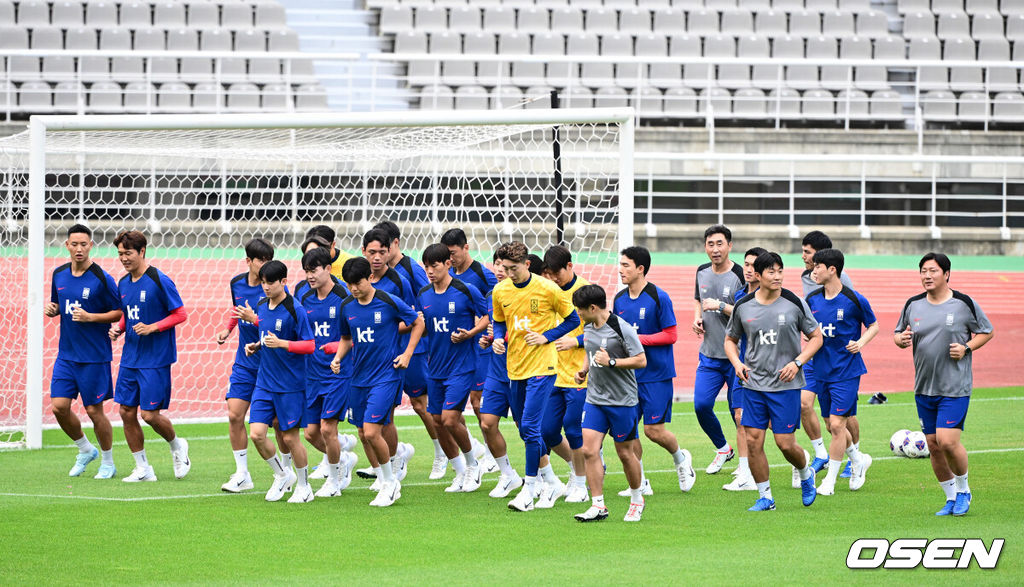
(650,313)
(325,320)
(841,319)
(444,313)
(282,371)
(483,280)
(498,369)
(241,294)
(414,273)
(149,300)
(399,287)
(373,329)
(95,292)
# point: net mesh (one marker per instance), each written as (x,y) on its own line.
(199,195)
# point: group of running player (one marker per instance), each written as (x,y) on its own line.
(531,338)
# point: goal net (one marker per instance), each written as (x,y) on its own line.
(199,187)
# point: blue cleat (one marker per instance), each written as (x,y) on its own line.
(946,509)
(82,461)
(963,503)
(847,472)
(763,504)
(808,491)
(819,464)
(106,472)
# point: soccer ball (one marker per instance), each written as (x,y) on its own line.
(898,442)
(918,447)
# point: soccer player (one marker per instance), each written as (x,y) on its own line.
(338,256)
(455,313)
(528,309)
(312,242)
(246,292)
(151,309)
(285,337)
(613,351)
(371,319)
(717,282)
(86,299)
(945,328)
(841,312)
(772,320)
(648,309)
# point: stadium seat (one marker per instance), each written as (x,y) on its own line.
(999,79)
(101,14)
(919,25)
(139,98)
(821,5)
(1015,28)
(533,19)
(669,22)
(855,6)
(953,25)
(720,102)
(464,19)
(695,75)
(507,96)
(105,98)
(591,74)
(737,23)
(7,13)
(431,18)
(947,6)
(838,25)
(771,23)
(987,26)
(749,103)
(720,5)
(702,22)
(1008,107)
(122,69)
(873,25)
(269,16)
(601,21)
(976,7)
(834,77)
(787,5)
(68,98)
(567,20)
(311,98)
(800,77)
(276,98)
(232,69)
(234,16)
(818,105)
(554,44)
(731,76)
(680,102)
(21,68)
(891,47)
(865,77)
(538,96)
(887,106)
(90,67)
(453,73)
(913,6)
(758,47)
(755,6)
(169,15)
(243,97)
(929,78)
(973,107)
(55,67)
(648,101)
(939,106)
(488,73)
(963,79)
(783,104)
(804,24)
(186,39)
(1011,7)
(635,21)
(419,72)
(524,73)
(471,98)
(35,97)
(852,104)
(395,18)
(611,97)
(208,97)
(499,19)
(135,15)
(663,75)
(577,97)
(173,97)
(653,4)
(437,98)
(203,15)
(627,75)
(33,13)
(66,14)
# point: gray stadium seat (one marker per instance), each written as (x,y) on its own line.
(15,37)
(55,67)
(872,25)
(453,73)
(737,23)
(653,4)
(987,26)
(999,79)
(749,103)
(887,106)
(695,75)
(804,24)
(577,97)
(471,98)
(865,77)
(891,47)
(1011,7)
(533,19)
(660,74)
(33,13)
(488,73)
(635,21)
(720,101)
(963,79)
(208,97)
(611,97)
(669,21)
(855,6)
(939,106)
(234,16)
(601,21)
(139,98)
(105,98)
(788,5)
(135,15)
(976,7)
(1015,28)
(507,96)
(838,25)
(419,72)
(627,75)
(122,69)
(759,47)
(800,77)
(771,23)
(437,98)
(203,15)
(499,19)
(69,98)
(1008,107)
(912,6)
(648,101)
(464,19)
(395,18)
(947,6)
(680,102)
(821,5)
(169,15)
(852,104)
(66,14)
(818,105)
(101,14)
(173,97)
(431,18)
(243,97)
(269,15)
(953,25)
(702,22)
(929,78)
(7,13)
(311,98)
(783,104)
(276,98)
(731,76)
(973,107)
(919,25)
(191,68)
(538,96)
(567,20)
(591,74)
(833,77)
(524,73)
(35,97)
(755,6)
(232,69)
(720,5)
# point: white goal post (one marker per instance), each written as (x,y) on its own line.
(199,186)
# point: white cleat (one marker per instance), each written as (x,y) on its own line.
(796,472)
(409,450)
(366,473)
(826,488)
(860,474)
(378,484)
(321,470)
(687,476)
(282,484)
(144,473)
(645,489)
(576,493)
(440,468)
(238,483)
(472,478)
(401,465)
(388,495)
(457,483)
(182,465)
(346,470)
(479,450)
(741,483)
(635,512)
(506,485)
(523,501)
(330,488)
(721,458)
(488,465)
(549,494)
(303,494)
(347,442)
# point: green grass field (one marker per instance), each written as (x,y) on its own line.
(55,529)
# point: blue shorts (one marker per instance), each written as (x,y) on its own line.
(838,398)
(735,394)
(656,401)
(495,400)
(450,393)
(414,377)
(289,408)
(242,383)
(941,412)
(811,383)
(483,366)
(780,408)
(91,380)
(335,401)
(619,421)
(145,388)
(373,404)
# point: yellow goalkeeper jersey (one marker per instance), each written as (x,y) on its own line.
(538,305)
(571,361)
(338,262)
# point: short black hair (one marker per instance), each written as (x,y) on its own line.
(355,270)
(318,257)
(537,265)
(718,229)
(766,260)
(390,228)
(259,248)
(830,258)
(273,271)
(817,240)
(454,237)
(323,231)
(436,253)
(319,240)
(588,295)
(755,251)
(939,258)
(640,257)
(557,258)
(80,229)
(376,234)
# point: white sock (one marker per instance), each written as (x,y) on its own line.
(438,451)
(961,483)
(84,446)
(303,476)
(834,467)
(579,480)
(140,458)
(530,484)
(765,490)
(176,444)
(469,458)
(459,464)
(642,476)
(807,472)
(385,470)
(286,460)
(108,456)
(276,465)
(324,462)
(378,472)
(241,461)
(724,448)
(678,457)
(819,448)
(856,445)
(949,488)
(504,466)
(334,471)
(744,466)
(636,495)
(597,501)
(548,474)
(854,454)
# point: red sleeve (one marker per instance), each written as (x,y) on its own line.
(177,316)
(663,338)
(121,323)
(331,348)
(302,347)
(232,321)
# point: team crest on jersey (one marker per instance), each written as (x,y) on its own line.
(376,318)
(949,319)
(332,312)
(839,314)
(643,313)
(782,318)
(142,296)
(534,306)
(725,291)
(85,293)
(451,307)
(278,325)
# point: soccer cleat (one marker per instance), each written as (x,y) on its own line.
(523,501)
(860,473)
(488,465)
(471,478)
(645,489)
(346,477)
(807,491)
(827,488)
(320,471)
(282,484)
(946,509)
(479,450)
(82,461)
(576,493)
(796,472)
(367,473)
(847,471)
(347,442)
(763,504)
(721,457)
(742,483)
(409,450)
(636,510)
(143,473)
(962,503)
(549,494)
(457,483)
(106,471)
(387,495)
(400,464)
(819,463)
(330,488)
(302,494)
(685,471)
(593,514)
(439,468)
(506,485)
(180,458)
(377,485)
(238,483)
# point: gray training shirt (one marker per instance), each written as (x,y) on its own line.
(722,287)
(773,338)
(611,386)
(935,327)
